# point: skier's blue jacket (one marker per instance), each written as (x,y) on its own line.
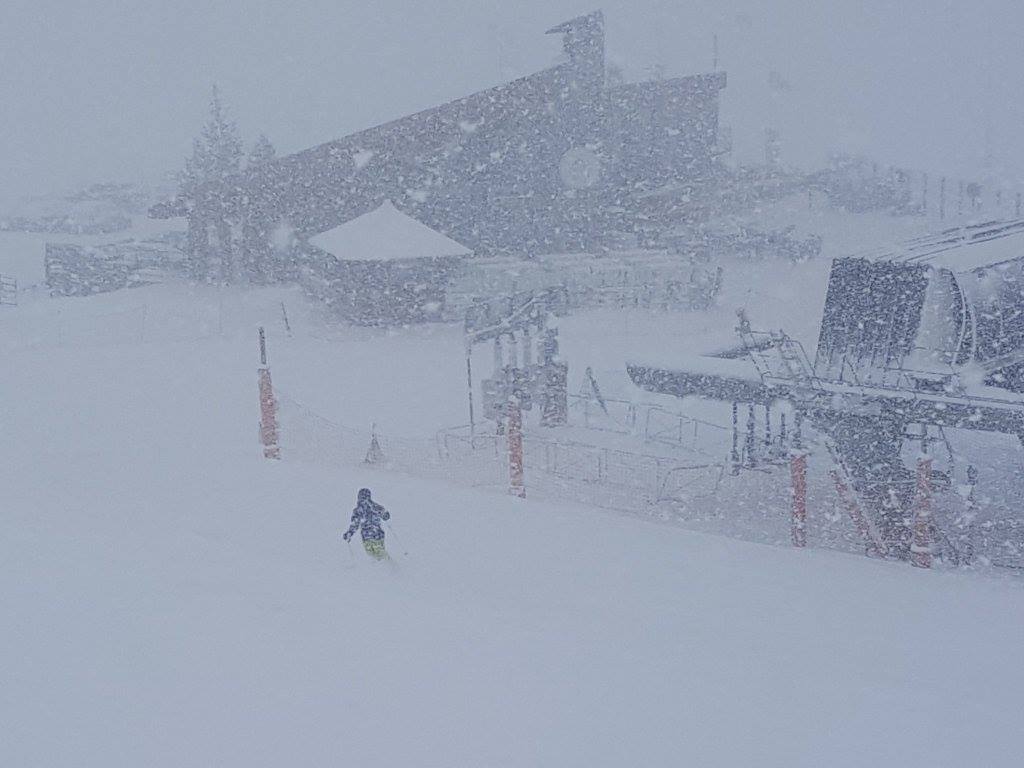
(367,517)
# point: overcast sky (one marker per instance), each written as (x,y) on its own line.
(98,90)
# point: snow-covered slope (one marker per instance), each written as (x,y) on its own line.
(172,599)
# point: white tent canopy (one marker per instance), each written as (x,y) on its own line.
(386,234)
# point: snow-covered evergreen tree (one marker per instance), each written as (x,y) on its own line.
(262,152)
(216,152)
(257,264)
(216,156)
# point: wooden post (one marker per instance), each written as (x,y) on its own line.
(513,350)
(798,473)
(268,406)
(469,389)
(374,454)
(920,547)
(287,325)
(750,443)
(734,456)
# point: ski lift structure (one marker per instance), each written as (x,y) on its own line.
(911,343)
(527,367)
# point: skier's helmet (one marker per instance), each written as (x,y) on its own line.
(364,494)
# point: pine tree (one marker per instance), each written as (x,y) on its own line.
(262,152)
(216,156)
(256,248)
(216,152)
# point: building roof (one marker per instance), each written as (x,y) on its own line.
(486,168)
(386,234)
(963,249)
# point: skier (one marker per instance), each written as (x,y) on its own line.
(366,518)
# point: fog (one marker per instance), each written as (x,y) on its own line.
(108,90)
(673,363)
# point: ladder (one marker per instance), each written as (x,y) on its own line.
(792,363)
(794,359)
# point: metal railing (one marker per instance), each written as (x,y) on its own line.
(653,423)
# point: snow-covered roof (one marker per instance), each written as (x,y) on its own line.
(386,234)
(740,369)
(967,248)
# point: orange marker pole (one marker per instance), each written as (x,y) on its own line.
(515,449)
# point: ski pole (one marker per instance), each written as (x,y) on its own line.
(398,539)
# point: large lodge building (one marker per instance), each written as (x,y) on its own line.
(555,161)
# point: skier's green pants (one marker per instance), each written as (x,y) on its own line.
(375,548)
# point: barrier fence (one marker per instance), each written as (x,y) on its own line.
(307,436)
(691,489)
(761,504)
(654,423)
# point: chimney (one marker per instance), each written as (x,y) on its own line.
(583,42)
